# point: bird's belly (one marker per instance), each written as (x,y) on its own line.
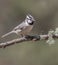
(26,30)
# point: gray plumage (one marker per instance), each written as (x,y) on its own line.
(24,28)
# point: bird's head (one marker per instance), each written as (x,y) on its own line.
(30,19)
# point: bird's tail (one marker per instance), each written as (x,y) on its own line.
(7,34)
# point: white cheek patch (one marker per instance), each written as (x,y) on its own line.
(29,21)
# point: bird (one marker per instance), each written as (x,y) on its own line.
(23,28)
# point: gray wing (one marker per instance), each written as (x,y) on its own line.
(20,26)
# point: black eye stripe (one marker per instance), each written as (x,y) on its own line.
(29,19)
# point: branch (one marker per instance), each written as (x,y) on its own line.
(26,38)
(8,43)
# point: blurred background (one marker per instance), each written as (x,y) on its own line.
(13,12)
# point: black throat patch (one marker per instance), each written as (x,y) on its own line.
(31,23)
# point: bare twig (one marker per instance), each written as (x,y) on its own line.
(26,38)
(8,43)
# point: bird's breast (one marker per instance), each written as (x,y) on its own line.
(26,30)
